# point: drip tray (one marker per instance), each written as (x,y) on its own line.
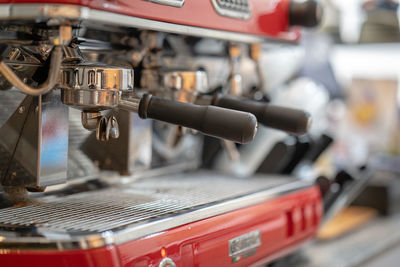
(124,212)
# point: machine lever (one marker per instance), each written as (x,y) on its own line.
(233,125)
(291,120)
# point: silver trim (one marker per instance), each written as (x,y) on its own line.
(64,241)
(231,12)
(218,209)
(46,11)
(174,3)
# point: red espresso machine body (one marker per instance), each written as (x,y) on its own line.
(264,232)
(221,221)
(265,18)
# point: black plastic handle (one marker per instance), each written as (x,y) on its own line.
(290,120)
(304,13)
(232,125)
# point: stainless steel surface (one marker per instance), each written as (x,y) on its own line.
(255,55)
(172,144)
(40,11)
(235,83)
(94,86)
(50,82)
(90,100)
(107,128)
(19,55)
(10,101)
(251,155)
(129,211)
(90,119)
(185,85)
(112,129)
(175,3)
(150,80)
(93,17)
(79,165)
(64,36)
(239,9)
(131,104)
(132,151)
(72,54)
(34,143)
(231,150)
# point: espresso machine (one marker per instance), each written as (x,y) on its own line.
(105,108)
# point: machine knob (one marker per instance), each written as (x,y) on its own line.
(306,13)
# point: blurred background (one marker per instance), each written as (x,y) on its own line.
(348,71)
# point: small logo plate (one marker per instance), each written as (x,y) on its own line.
(244,243)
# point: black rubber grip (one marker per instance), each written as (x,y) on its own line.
(290,120)
(304,13)
(233,125)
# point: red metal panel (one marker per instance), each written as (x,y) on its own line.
(101,257)
(206,242)
(201,243)
(269,17)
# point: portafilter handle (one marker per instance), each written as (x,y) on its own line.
(233,125)
(294,121)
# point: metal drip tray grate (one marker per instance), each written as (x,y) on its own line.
(139,203)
